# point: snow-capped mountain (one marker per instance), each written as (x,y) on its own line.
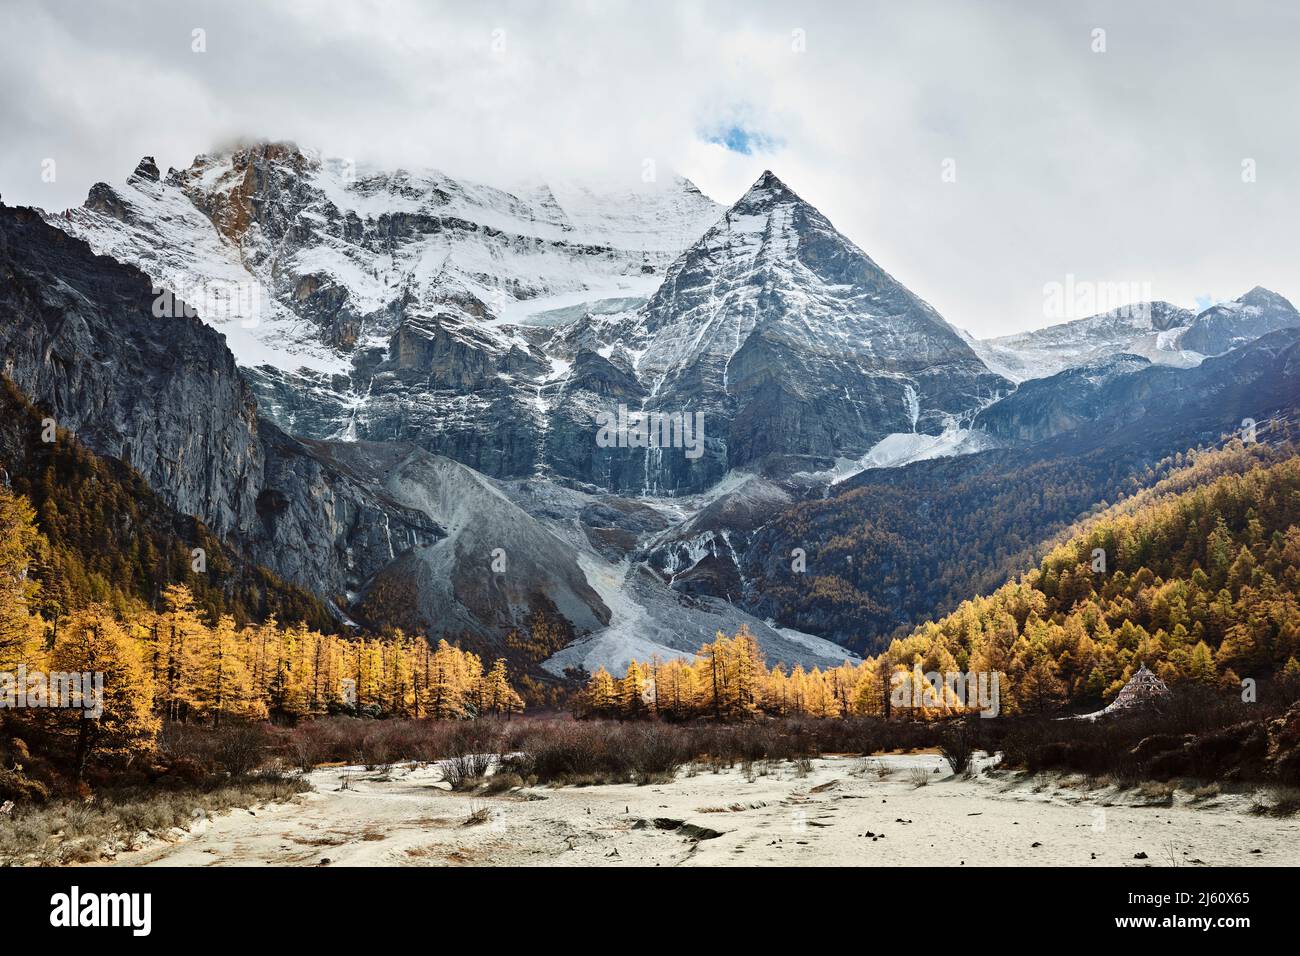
(1103,398)
(493,327)
(1162,333)
(793,343)
(1230,325)
(391,305)
(1149,329)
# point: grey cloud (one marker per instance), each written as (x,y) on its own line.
(1121,166)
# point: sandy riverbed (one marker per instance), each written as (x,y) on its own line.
(840,813)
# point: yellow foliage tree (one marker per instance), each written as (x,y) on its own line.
(121,721)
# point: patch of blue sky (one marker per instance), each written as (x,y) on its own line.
(741,139)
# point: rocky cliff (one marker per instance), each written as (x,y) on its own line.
(161,393)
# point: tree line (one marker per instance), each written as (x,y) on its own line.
(109,538)
(894,548)
(1196,577)
(174,663)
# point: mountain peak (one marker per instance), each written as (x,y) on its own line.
(1265,298)
(767,190)
(146,169)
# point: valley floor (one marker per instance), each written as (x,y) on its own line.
(842,812)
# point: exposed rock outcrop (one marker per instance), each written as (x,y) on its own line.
(163,394)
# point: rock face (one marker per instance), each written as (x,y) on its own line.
(1233,324)
(390,305)
(80,339)
(1044,407)
(324,529)
(791,342)
(163,394)
(703,555)
(461,558)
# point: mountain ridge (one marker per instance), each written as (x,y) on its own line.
(447,379)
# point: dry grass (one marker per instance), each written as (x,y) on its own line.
(1157,791)
(1277,802)
(502,783)
(81,831)
(467,771)
(1205,792)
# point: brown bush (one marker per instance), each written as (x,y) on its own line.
(234,749)
(18,787)
(957,745)
(1197,735)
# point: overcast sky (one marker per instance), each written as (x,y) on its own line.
(1123,166)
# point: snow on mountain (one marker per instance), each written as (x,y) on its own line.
(342,275)
(1159,332)
(155,226)
(493,325)
(1230,325)
(903,448)
(792,342)
(1149,329)
(349,247)
(774,266)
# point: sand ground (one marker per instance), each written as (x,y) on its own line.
(842,812)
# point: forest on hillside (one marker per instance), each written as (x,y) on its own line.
(108,538)
(174,664)
(898,547)
(1198,577)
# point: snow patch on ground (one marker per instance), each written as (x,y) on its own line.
(903,448)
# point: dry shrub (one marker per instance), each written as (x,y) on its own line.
(1197,735)
(958,744)
(74,831)
(501,782)
(601,752)
(18,787)
(371,743)
(190,751)
(465,771)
